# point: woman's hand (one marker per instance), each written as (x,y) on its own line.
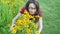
(12,24)
(11,28)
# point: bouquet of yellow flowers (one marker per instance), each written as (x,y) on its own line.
(26,26)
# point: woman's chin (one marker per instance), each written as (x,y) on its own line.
(31,13)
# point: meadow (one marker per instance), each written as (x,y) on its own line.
(50,9)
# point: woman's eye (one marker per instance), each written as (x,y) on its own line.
(31,8)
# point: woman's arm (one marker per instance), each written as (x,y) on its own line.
(14,19)
(40,24)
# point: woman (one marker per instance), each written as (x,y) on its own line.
(32,7)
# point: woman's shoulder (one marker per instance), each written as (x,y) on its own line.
(40,12)
(22,10)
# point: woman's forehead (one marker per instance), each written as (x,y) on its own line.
(32,5)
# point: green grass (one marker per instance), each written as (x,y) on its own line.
(51,15)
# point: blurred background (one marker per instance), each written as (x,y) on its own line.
(50,9)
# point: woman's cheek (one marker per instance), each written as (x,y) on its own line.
(32,11)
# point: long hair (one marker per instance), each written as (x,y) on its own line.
(34,2)
(37,7)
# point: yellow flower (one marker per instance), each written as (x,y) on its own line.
(13,3)
(31,16)
(29,31)
(25,22)
(19,27)
(14,30)
(21,22)
(24,15)
(37,16)
(26,12)
(26,25)
(5,2)
(35,25)
(37,32)
(22,2)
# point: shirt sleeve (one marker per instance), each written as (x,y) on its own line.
(40,12)
(22,10)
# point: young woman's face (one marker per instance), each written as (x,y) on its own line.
(32,8)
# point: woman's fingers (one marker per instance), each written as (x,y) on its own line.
(11,27)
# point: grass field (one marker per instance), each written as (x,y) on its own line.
(51,15)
